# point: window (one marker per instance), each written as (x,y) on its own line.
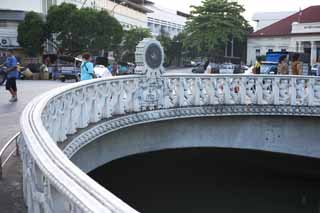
(283,50)
(258,52)
(270,50)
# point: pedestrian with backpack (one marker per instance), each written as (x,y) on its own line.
(87,72)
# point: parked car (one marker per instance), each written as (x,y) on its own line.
(69,73)
(227,68)
(315,69)
(70,70)
(199,68)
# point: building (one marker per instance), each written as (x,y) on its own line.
(9,21)
(264,19)
(299,32)
(163,20)
(130,14)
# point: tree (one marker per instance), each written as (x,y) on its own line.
(172,48)
(31,33)
(131,39)
(214,23)
(75,30)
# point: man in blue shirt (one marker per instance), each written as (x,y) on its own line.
(12,75)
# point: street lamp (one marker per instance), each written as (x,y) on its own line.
(115,6)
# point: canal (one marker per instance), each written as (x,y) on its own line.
(214,180)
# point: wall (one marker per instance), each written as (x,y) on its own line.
(166,20)
(266,133)
(126,16)
(306,27)
(265,43)
(25,5)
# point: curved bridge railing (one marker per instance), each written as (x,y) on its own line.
(52,183)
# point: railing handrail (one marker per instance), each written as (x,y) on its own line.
(100,197)
(4,149)
(60,169)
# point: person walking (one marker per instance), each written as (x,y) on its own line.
(87,72)
(296,68)
(257,67)
(283,68)
(11,65)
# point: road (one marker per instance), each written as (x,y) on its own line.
(10,112)
(180,70)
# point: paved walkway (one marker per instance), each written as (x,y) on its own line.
(11,199)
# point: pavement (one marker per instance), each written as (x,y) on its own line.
(11,198)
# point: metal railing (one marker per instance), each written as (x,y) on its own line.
(6,152)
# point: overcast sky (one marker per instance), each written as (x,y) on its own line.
(251,6)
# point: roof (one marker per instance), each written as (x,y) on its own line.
(284,26)
(12,15)
(137,5)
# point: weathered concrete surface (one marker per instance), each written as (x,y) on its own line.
(10,112)
(289,135)
(11,199)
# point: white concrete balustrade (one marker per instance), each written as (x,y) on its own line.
(52,183)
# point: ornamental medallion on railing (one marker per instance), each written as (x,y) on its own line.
(149,58)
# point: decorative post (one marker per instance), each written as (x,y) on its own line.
(149,58)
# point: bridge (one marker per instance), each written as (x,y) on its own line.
(72,130)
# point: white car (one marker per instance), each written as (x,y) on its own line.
(227,69)
(315,69)
(101,71)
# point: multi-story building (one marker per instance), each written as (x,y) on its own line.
(163,20)
(130,13)
(9,21)
(299,32)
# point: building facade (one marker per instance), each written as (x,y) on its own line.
(299,32)
(130,14)
(163,20)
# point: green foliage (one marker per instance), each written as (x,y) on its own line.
(78,30)
(31,33)
(172,48)
(131,39)
(213,24)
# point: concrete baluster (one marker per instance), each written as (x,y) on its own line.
(275,90)
(181,91)
(310,91)
(197,91)
(293,92)
(242,91)
(258,84)
(226,90)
